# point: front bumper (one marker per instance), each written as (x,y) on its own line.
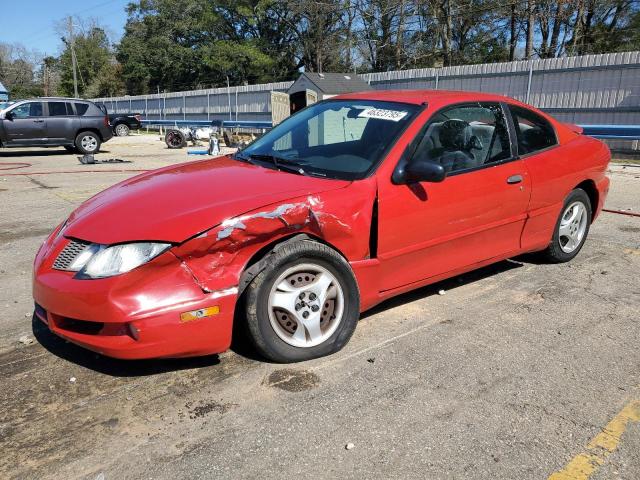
(135,315)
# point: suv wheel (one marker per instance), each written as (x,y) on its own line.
(122,130)
(87,142)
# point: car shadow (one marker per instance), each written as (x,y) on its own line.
(446,285)
(111,366)
(241,345)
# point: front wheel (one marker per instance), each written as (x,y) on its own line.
(572,228)
(88,143)
(304,304)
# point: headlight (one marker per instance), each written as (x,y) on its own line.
(110,261)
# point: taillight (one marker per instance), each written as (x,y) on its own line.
(106,120)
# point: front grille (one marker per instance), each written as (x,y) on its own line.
(69,254)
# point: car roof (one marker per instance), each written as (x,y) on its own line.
(66,99)
(419,97)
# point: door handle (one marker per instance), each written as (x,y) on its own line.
(38,121)
(514,179)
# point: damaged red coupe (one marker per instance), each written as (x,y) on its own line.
(345,204)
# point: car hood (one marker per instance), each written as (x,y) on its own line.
(175,203)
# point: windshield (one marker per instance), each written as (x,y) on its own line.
(342,139)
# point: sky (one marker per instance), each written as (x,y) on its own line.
(32,22)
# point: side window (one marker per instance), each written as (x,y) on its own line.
(81,108)
(57,109)
(534,132)
(464,137)
(27,110)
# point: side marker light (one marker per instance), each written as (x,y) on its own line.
(198,314)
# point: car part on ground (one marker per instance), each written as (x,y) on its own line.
(175,139)
(89,159)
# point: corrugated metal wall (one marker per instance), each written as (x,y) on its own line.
(250,102)
(590,89)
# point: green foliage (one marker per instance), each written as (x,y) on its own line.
(97,72)
(174,45)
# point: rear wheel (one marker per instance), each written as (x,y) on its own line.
(304,304)
(88,142)
(122,130)
(571,229)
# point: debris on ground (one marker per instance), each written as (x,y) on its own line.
(349,446)
(371,360)
(26,340)
(441,292)
(89,159)
(72,379)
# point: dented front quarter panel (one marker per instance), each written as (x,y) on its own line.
(341,218)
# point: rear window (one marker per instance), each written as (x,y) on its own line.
(81,108)
(59,109)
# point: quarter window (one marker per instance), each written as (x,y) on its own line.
(534,132)
(58,109)
(465,137)
(81,108)
(27,110)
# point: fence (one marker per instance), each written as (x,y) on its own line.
(590,89)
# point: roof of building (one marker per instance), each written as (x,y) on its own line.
(335,83)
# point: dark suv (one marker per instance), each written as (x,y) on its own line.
(77,125)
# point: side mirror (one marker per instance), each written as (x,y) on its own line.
(8,116)
(422,171)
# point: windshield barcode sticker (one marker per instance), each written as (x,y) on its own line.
(382,114)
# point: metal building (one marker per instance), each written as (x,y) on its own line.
(4,93)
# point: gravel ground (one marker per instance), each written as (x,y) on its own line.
(509,375)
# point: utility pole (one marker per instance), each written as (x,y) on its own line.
(74,60)
(45,78)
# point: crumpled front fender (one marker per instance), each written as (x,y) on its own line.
(340,218)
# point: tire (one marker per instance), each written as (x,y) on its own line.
(121,130)
(175,139)
(88,143)
(70,149)
(571,229)
(320,272)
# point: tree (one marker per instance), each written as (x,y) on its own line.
(97,71)
(19,70)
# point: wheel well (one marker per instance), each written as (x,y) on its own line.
(93,130)
(589,187)
(256,264)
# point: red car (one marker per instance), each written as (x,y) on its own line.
(343,205)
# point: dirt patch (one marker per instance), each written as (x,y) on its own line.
(629,228)
(10,232)
(293,380)
(206,408)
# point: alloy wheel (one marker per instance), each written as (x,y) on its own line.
(89,143)
(306,305)
(573,226)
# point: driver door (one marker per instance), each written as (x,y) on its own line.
(27,125)
(475,214)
